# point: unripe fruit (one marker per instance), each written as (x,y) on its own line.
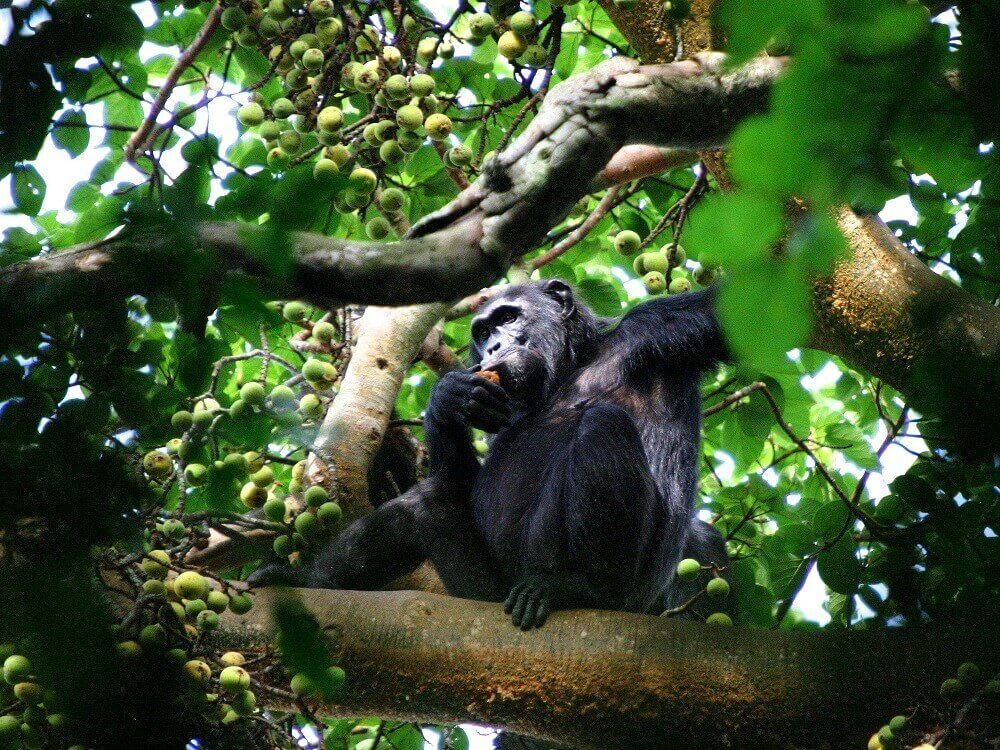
(10,729)
(196,474)
(366,80)
(315,496)
(191,585)
(282,108)
(290,142)
(155,564)
(313,59)
(408,141)
(481,25)
(194,607)
(234,679)
(328,30)
(679,286)
(396,87)
(278,158)
(244,703)
(16,668)
(362,180)
(306,524)
(263,476)
(329,514)
(153,636)
(427,49)
(898,724)
(688,569)
(536,55)
(31,692)
(153,586)
(969,673)
(269,130)
(250,115)
(409,117)
(680,255)
(233,18)
(522,23)
(240,604)
(655,282)
(274,510)
(460,155)
(330,119)
(181,420)
(377,228)
(310,406)
(198,671)
(391,199)
(422,85)
(283,545)
(446,50)
(653,262)
(952,689)
(320,9)
(232,659)
(324,331)
(157,465)
(391,153)
(174,528)
(719,618)
(173,446)
(313,369)
(208,620)
(129,649)
(717,588)
(438,126)
(704,276)
(294,312)
(217,601)
(627,242)
(512,45)
(302,685)
(253,393)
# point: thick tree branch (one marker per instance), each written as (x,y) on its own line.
(523,192)
(595,679)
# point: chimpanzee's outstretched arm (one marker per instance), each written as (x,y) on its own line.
(681,330)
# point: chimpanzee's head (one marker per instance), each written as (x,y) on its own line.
(534,335)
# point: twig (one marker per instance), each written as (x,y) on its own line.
(137,143)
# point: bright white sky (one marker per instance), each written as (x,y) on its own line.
(62,172)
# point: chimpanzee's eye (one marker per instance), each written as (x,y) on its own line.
(479,333)
(507,315)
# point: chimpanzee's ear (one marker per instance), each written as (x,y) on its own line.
(561,292)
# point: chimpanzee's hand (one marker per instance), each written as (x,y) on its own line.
(465,398)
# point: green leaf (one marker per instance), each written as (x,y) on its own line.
(765,310)
(751,24)
(733,229)
(839,566)
(27,189)
(849,439)
(601,295)
(71,133)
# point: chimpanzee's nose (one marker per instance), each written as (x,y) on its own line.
(493,348)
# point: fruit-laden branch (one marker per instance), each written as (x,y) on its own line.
(595,679)
(521,194)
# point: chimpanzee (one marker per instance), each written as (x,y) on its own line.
(585,497)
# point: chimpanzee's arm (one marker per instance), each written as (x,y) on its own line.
(681,330)
(461,400)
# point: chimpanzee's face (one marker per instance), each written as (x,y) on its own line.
(522,333)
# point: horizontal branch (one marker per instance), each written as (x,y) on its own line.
(596,679)
(521,194)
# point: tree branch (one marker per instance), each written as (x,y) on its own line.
(469,243)
(596,679)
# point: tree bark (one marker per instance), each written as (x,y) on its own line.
(601,680)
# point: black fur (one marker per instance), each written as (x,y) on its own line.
(586,495)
